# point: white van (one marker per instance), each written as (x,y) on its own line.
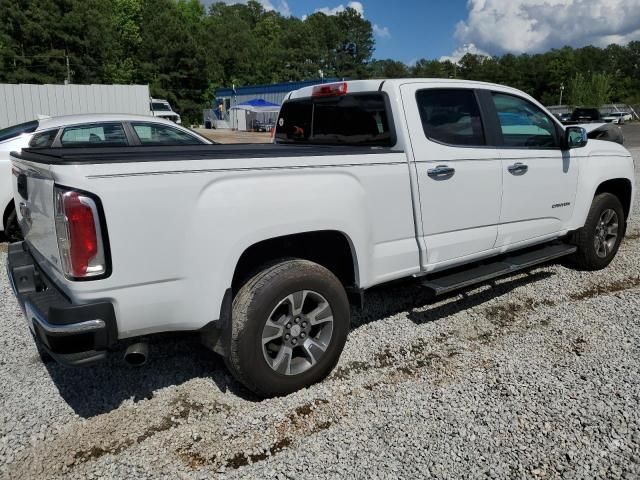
(162,108)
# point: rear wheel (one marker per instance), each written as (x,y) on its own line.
(289,326)
(598,241)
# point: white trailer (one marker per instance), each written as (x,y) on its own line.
(24,102)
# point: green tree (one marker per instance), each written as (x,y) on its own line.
(427,69)
(173,58)
(356,44)
(600,89)
(126,18)
(183,52)
(577,90)
(388,69)
(593,91)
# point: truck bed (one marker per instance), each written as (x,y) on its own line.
(73,156)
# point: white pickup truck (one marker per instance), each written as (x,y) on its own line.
(261,248)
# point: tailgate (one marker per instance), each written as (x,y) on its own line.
(33,193)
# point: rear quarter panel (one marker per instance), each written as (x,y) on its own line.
(6,188)
(177,229)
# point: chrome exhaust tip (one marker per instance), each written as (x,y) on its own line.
(136,354)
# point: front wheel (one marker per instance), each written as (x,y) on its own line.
(598,241)
(289,325)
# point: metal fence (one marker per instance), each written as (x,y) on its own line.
(604,110)
(24,102)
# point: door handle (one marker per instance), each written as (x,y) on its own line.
(441,171)
(518,168)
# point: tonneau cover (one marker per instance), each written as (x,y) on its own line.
(84,155)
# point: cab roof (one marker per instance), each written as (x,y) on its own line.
(358,86)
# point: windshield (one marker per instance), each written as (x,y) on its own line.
(16,130)
(356,119)
(160,107)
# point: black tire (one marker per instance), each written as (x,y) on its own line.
(12,228)
(256,302)
(587,258)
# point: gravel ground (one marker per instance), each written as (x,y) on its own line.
(537,376)
(631,132)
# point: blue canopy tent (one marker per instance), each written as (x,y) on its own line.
(254,115)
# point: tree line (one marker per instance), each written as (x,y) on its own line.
(184,51)
(586,76)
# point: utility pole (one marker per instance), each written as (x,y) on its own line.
(68,79)
(561,91)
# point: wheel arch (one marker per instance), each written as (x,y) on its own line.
(621,188)
(332,249)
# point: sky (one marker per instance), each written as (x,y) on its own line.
(408,30)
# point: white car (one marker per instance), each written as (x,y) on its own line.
(444,182)
(161,108)
(618,117)
(88,130)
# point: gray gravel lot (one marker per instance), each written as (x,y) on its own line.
(631,132)
(537,375)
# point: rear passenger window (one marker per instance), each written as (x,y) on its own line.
(451,116)
(354,119)
(94,135)
(523,124)
(157,134)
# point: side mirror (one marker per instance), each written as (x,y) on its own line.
(575,137)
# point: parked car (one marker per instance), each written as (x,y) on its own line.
(261,126)
(595,124)
(564,117)
(87,130)
(617,117)
(445,182)
(586,115)
(162,108)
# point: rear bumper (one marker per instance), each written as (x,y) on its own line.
(72,334)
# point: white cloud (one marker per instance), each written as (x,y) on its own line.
(460,52)
(282,6)
(357,6)
(378,31)
(381,32)
(522,26)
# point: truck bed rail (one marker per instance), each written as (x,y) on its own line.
(88,155)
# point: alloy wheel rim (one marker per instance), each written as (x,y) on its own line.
(297,333)
(606,234)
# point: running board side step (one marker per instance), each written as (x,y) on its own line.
(448,282)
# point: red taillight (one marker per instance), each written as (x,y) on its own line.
(79,240)
(83,241)
(330,90)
